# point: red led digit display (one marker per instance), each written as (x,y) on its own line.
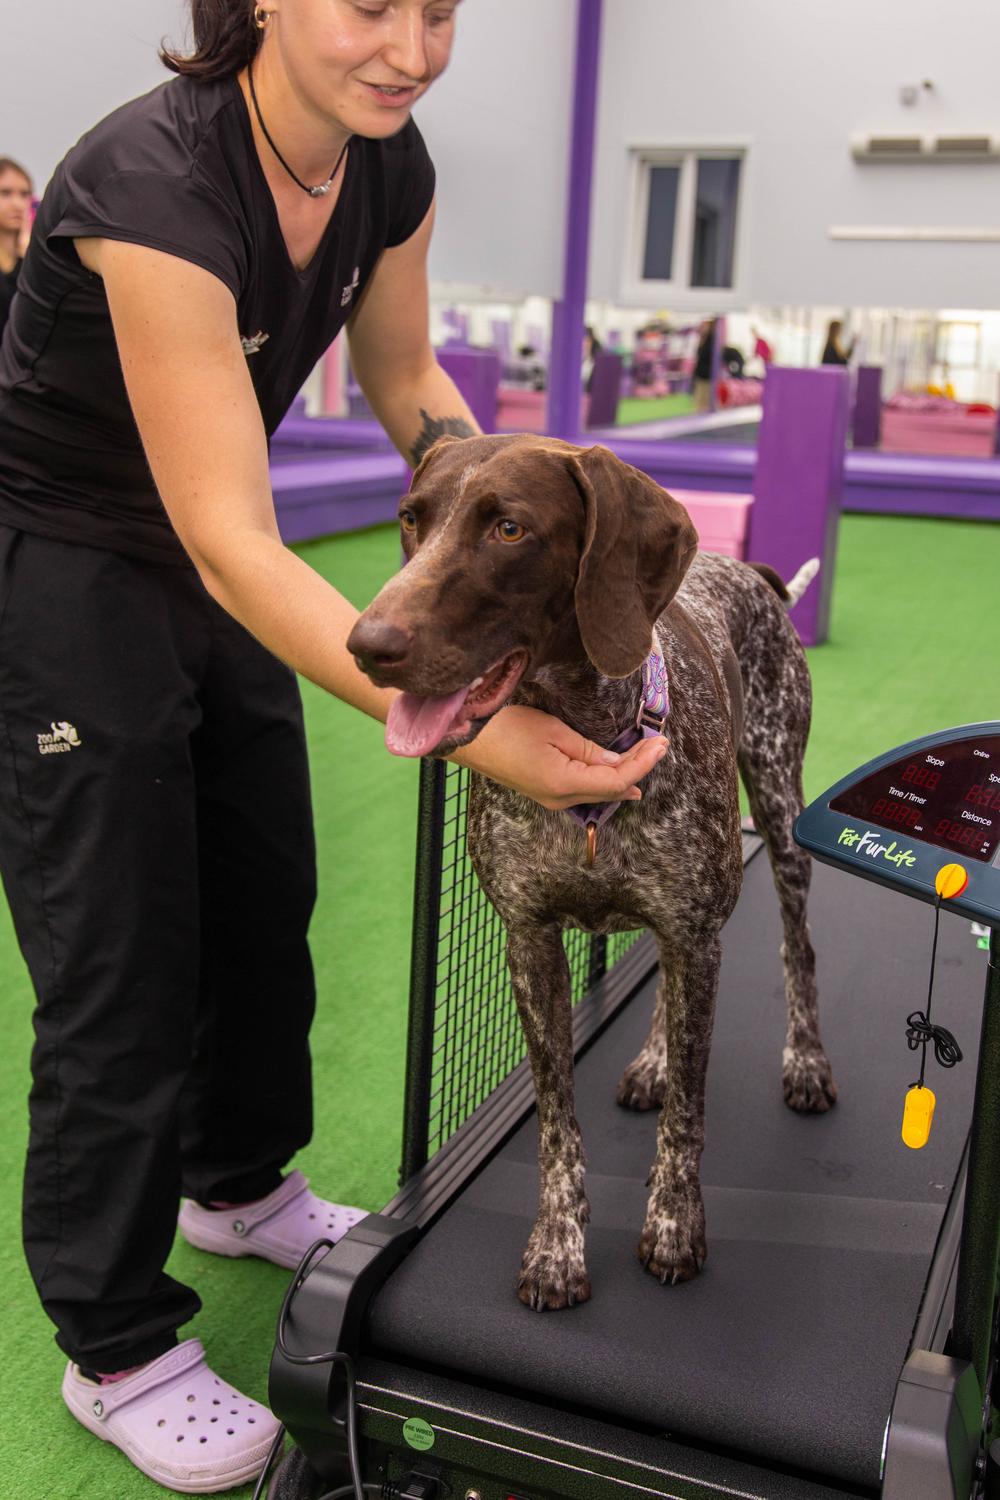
(897,813)
(982,796)
(919,775)
(964,835)
(948,796)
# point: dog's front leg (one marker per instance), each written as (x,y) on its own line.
(672,1246)
(553,1272)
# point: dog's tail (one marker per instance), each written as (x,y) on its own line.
(792,591)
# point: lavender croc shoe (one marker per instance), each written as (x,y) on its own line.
(177,1421)
(279,1228)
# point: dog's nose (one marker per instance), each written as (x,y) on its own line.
(378,645)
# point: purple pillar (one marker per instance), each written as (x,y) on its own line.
(476,372)
(457,324)
(563,409)
(866,430)
(798,483)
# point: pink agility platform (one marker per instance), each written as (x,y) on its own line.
(721,520)
(933,424)
(520,410)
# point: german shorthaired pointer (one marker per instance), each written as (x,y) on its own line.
(543,573)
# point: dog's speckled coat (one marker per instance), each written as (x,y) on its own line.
(608,561)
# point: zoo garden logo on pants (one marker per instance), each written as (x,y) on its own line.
(62,737)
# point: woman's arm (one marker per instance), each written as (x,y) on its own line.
(195,407)
(392,357)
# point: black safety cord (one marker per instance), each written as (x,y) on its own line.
(919,1030)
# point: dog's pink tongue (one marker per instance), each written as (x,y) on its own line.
(416,726)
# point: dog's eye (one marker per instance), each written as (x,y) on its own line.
(407,520)
(510,531)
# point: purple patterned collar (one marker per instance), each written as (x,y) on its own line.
(654,706)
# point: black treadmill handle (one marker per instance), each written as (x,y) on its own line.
(328,1312)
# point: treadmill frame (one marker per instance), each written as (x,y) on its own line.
(488,1443)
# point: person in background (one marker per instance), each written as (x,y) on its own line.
(591,348)
(761,348)
(834,352)
(15,229)
(702,387)
(193,256)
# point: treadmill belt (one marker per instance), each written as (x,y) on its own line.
(820,1228)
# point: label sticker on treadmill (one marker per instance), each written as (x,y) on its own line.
(948,796)
(418,1433)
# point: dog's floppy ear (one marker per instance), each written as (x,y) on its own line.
(638,544)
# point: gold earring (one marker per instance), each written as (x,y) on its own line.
(261,17)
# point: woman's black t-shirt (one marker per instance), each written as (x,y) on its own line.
(8,286)
(176,170)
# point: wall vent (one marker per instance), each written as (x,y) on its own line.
(881,148)
(967,146)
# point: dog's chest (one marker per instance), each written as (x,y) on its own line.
(534,866)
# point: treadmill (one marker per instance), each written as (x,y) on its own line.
(842,1338)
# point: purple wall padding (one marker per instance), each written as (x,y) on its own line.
(605,388)
(799,482)
(300,433)
(866,428)
(917,484)
(322,495)
(476,372)
(691,466)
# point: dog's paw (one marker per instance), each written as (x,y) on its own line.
(672,1246)
(643,1084)
(553,1271)
(807,1080)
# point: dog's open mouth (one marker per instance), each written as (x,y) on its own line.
(418,726)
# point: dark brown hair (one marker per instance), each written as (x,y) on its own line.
(225,39)
(8,164)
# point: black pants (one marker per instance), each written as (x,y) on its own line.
(157,852)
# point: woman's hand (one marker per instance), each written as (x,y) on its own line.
(541,757)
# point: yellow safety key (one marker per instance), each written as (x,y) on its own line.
(918,1112)
(950,881)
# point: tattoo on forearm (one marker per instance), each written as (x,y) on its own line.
(435,427)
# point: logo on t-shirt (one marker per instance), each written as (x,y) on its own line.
(254,344)
(62,738)
(349,290)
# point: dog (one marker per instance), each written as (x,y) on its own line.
(542,574)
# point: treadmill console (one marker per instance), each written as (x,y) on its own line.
(901,817)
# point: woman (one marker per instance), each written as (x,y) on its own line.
(834,352)
(702,379)
(192,258)
(15,223)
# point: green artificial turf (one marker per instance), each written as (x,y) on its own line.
(912,649)
(652,408)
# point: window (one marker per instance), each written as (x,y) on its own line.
(686,220)
(661,223)
(714,240)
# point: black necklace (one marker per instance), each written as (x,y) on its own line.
(322,188)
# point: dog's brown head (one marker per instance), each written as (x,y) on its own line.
(520,550)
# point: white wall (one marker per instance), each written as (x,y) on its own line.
(497,123)
(64,66)
(498,127)
(790,79)
(793,80)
